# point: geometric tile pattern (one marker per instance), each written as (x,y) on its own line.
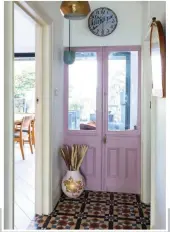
(96,210)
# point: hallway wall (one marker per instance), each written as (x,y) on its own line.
(127,34)
(52,9)
(0,219)
(158,133)
(128,31)
(160,165)
(158,9)
(23,41)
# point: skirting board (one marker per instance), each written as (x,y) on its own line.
(0,219)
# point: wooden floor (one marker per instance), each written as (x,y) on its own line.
(24,188)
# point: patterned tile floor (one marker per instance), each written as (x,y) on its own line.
(96,210)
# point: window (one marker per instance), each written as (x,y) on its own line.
(117,99)
(82,92)
(122,90)
(24,83)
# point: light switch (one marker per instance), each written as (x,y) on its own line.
(56,92)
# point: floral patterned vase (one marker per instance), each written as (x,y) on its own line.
(73,184)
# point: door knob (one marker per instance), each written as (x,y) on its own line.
(37,100)
(104,139)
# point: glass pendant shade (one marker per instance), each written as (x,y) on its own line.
(69,57)
(75,10)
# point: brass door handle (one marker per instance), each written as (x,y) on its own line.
(104,139)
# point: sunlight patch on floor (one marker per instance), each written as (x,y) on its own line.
(24,187)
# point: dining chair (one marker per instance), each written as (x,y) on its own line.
(22,133)
(33,131)
(18,137)
(26,128)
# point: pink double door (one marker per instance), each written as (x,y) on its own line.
(102,110)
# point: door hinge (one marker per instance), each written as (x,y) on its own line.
(150,104)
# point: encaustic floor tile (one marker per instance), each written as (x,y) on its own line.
(96,210)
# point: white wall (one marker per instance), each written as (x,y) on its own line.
(168,220)
(158,128)
(0,220)
(146,84)
(24,27)
(52,9)
(158,10)
(160,165)
(128,31)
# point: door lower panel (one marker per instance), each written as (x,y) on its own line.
(122,166)
(91,166)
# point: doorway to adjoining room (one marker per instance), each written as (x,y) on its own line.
(24,118)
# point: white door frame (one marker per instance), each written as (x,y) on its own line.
(146,87)
(43,185)
(8,115)
(148,133)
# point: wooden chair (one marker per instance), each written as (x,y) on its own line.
(23,134)
(33,131)
(18,137)
(26,128)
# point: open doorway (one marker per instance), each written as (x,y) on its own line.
(43,125)
(24,118)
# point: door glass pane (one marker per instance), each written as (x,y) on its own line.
(82,79)
(122,91)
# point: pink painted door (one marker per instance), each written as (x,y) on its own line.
(83,104)
(102,109)
(121,124)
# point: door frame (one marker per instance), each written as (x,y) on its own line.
(44,75)
(148,133)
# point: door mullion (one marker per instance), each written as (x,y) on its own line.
(104,110)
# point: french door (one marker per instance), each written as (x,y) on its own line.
(102,110)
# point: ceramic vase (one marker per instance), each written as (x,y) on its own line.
(73,184)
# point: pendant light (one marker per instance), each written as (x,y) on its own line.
(69,56)
(75,10)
